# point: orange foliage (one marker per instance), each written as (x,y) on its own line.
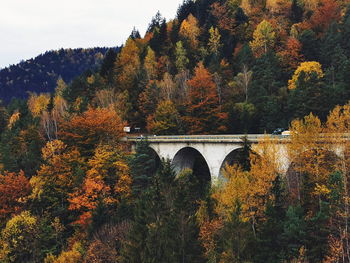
(107,182)
(92,127)
(204,111)
(208,231)
(237,49)
(335,250)
(86,199)
(225,20)
(13,119)
(58,171)
(148,37)
(13,189)
(291,56)
(325,14)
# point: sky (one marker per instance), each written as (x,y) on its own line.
(31,27)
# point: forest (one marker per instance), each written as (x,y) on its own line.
(72,190)
(40,74)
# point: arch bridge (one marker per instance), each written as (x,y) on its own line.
(210,152)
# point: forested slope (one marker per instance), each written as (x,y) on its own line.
(41,73)
(73,191)
(246,57)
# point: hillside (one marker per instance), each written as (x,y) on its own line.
(40,74)
(72,189)
(231,67)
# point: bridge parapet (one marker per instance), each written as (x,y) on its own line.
(216,150)
(254,138)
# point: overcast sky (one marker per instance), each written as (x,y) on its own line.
(31,27)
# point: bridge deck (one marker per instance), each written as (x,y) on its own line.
(254,138)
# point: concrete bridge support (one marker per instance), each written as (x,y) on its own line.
(184,155)
(214,151)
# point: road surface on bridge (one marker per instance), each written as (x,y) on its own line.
(254,138)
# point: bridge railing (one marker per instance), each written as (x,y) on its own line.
(333,138)
(205,138)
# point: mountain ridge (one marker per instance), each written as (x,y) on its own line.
(40,74)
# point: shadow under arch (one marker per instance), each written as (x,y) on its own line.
(238,157)
(155,157)
(190,158)
(319,162)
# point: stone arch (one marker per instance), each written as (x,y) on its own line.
(191,158)
(234,157)
(230,159)
(155,156)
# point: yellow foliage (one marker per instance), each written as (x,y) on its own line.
(71,256)
(263,38)
(305,133)
(265,166)
(311,5)
(58,173)
(13,119)
(310,153)
(61,86)
(308,68)
(105,98)
(189,30)
(165,120)
(53,148)
(150,63)
(107,181)
(127,64)
(38,103)
(91,79)
(60,107)
(321,190)
(37,184)
(278,6)
(338,120)
(18,237)
(214,40)
(251,190)
(235,189)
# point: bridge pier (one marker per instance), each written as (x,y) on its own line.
(214,155)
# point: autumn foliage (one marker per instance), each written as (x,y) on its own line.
(92,127)
(107,182)
(291,56)
(308,68)
(325,14)
(14,188)
(73,188)
(58,174)
(204,110)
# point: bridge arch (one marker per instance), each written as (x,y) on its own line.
(236,156)
(230,159)
(191,158)
(155,156)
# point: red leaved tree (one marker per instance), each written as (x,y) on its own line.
(204,114)
(13,189)
(94,126)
